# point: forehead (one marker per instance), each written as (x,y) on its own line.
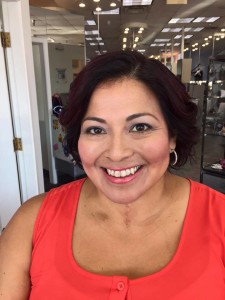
(127,95)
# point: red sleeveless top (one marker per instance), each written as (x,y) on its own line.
(197,270)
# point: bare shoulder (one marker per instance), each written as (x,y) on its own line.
(25,216)
(16,249)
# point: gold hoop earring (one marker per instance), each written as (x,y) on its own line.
(175,156)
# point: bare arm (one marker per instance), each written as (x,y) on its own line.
(15,252)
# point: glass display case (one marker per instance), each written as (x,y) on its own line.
(213,132)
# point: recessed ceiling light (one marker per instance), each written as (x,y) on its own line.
(113,4)
(98,8)
(82,4)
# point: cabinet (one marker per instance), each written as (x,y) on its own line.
(213,131)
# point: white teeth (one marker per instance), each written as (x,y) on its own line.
(122,173)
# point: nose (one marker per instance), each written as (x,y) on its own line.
(118,148)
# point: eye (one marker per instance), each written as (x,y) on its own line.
(95,130)
(141,127)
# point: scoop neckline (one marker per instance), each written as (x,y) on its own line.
(157,274)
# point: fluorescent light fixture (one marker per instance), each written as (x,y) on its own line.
(107,12)
(174,20)
(213,19)
(177,44)
(141,50)
(188,36)
(177,20)
(171,29)
(204,19)
(91,32)
(136,2)
(95,44)
(199,19)
(176,1)
(90,22)
(178,36)
(161,40)
(197,29)
(166,30)
(88,38)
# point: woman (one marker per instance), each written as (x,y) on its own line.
(131,229)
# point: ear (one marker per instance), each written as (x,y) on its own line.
(173,141)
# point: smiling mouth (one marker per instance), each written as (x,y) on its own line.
(123,173)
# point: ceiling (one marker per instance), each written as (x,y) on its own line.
(62,21)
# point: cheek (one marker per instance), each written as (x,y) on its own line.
(87,153)
(156,151)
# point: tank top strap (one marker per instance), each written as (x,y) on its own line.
(60,202)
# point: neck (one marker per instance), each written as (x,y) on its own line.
(138,214)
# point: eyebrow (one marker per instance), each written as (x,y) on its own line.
(130,118)
(100,120)
(135,116)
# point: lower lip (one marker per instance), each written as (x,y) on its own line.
(122,180)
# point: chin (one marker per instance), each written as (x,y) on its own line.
(120,199)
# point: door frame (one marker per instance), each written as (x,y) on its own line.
(23,99)
(10,199)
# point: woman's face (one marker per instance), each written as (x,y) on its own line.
(124,144)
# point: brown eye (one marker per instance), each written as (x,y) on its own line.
(95,130)
(140,127)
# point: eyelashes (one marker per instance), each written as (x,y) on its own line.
(95,130)
(141,127)
(138,128)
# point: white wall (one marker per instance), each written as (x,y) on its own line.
(41,100)
(62,59)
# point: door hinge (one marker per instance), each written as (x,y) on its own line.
(6,40)
(17,143)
